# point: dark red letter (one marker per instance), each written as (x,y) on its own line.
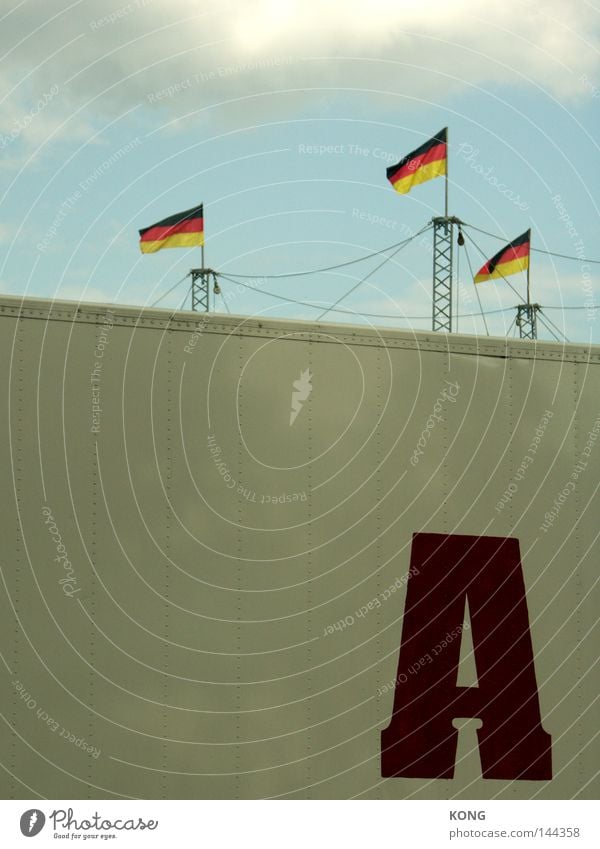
(420,741)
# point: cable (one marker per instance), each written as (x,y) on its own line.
(552,307)
(351,312)
(366,277)
(391,315)
(548,329)
(224,301)
(397,246)
(487,332)
(183,300)
(168,292)
(373,314)
(329,267)
(555,327)
(537,250)
(185,297)
(458,285)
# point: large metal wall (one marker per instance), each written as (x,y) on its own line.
(190,650)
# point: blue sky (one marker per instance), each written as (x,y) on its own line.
(282,117)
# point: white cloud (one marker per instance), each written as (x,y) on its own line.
(111,58)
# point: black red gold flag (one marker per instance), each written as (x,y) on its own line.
(510,259)
(183,230)
(424,163)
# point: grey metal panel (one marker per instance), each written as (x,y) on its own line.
(194,654)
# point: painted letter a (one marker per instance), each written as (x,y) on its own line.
(421,741)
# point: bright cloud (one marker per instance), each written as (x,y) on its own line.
(115,56)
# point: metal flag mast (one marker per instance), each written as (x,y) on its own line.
(526,319)
(443,227)
(200,284)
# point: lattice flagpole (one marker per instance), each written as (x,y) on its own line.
(527,320)
(527,313)
(200,278)
(443,232)
(442,273)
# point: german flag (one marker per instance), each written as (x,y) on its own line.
(183,230)
(511,259)
(424,163)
